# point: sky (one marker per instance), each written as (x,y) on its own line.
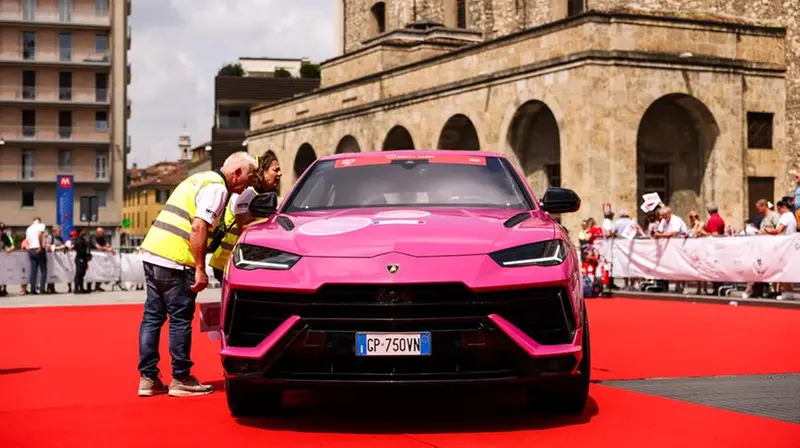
(178,46)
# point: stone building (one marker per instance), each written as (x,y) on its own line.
(609,100)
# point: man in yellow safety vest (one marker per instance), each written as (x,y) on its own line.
(237,216)
(174,258)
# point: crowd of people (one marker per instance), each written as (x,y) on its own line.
(39,240)
(781,218)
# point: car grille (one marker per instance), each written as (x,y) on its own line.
(545,314)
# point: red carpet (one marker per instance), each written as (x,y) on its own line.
(68,377)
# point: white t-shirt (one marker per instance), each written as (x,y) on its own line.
(210,201)
(789,222)
(32,234)
(675,224)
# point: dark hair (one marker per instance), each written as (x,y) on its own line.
(782,204)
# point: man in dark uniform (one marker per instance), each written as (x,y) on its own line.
(83,253)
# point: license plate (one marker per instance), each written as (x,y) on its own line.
(393,344)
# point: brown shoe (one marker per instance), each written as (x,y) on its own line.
(149,387)
(189,386)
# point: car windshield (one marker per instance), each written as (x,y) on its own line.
(410,181)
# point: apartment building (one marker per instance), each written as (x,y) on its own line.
(234,96)
(64,76)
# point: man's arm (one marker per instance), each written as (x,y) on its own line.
(777,230)
(197,242)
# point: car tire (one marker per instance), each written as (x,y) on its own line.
(252,400)
(566,395)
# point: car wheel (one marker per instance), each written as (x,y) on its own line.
(566,395)
(250,400)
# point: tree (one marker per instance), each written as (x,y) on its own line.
(282,73)
(309,70)
(231,70)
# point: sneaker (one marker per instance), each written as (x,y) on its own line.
(189,386)
(149,387)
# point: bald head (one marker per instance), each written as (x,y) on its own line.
(239,168)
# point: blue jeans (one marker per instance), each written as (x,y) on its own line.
(38,263)
(168,293)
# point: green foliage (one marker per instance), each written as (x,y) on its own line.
(282,73)
(231,70)
(309,70)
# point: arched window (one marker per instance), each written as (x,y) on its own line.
(379,15)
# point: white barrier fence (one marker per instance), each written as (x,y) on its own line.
(103,268)
(741,259)
(763,258)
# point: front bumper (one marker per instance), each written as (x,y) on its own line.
(499,337)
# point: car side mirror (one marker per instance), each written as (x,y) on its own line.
(560,200)
(264,205)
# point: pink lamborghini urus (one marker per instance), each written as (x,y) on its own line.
(406,268)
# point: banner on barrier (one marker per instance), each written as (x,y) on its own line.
(761,258)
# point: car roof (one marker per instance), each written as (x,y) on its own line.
(418,152)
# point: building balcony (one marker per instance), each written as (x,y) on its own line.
(58,57)
(80,18)
(80,135)
(71,96)
(47,174)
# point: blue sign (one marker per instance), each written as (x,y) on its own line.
(65,203)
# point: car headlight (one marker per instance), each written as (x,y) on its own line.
(247,256)
(544,253)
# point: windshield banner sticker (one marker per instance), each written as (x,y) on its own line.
(431,158)
(402,214)
(397,221)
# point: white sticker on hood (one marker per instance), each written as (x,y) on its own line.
(403,214)
(382,222)
(333,226)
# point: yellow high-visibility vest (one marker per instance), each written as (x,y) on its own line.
(232,232)
(168,237)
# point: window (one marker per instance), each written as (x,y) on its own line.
(101,165)
(162,196)
(65,86)
(574,7)
(102,198)
(27,164)
(379,14)
(28,45)
(101,87)
(101,43)
(759,188)
(65,123)
(28,123)
(462,13)
(101,120)
(65,10)
(64,160)
(28,199)
(101,8)
(656,180)
(29,10)
(65,47)
(28,84)
(759,130)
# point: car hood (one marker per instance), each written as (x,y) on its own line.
(419,232)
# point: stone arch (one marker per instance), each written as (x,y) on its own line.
(304,158)
(455,13)
(674,143)
(378,22)
(459,133)
(348,143)
(398,138)
(535,140)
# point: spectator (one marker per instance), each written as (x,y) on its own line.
(58,244)
(34,236)
(608,227)
(695,224)
(7,246)
(653,219)
(102,245)
(769,219)
(623,223)
(796,191)
(83,255)
(787,223)
(715,225)
(669,227)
